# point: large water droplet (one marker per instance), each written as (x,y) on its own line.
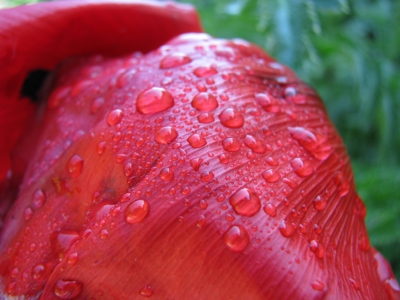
(38,198)
(268,102)
(67,288)
(236,238)
(75,166)
(270,209)
(165,135)
(114,117)
(205,102)
(231,118)
(271,175)
(254,144)
(319,203)
(205,71)
(137,211)
(301,168)
(205,118)
(245,202)
(315,143)
(206,176)
(231,144)
(154,100)
(174,60)
(167,174)
(317,285)
(197,141)
(286,228)
(196,163)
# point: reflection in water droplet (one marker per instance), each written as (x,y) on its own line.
(301,168)
(286,229)
(75,166)
(38,198)
(165,135)
(114,117)
(315,143)
(196,141)
(154,100)
(236,238)
(167,174)
(205,118)
(319,203)
(255,145)
(205,71)
(231,118)
(137,211)
(245,202)
(268,102)
(270,209)
(271,175)
(231,144)
(174,60)
(67,288)
(204,102)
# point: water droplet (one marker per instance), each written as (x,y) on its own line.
(319,203)
(75,166)
(245,202)
(174,60)
(154,100)
(301,168)
(271,175)
(205,118)
(101,147)
(72,258)
(231,118)
(268,102)
(223,159)
(147,291)
(96,105)
(317,248)
(270,209)
(38,271)
(206,176)
(38,198)
(196,141)
(236,238)
(203,204)
(61,242)
(254,144)
(341,183)
(28,213)
(196,163)
(315,143)
(205,71)
(165,135)
(104,233)
(114,117)
(286,228)
(167,174)
(204,102)
(317,285)
(67,289)
(137,211)
(354,283)
(231,144)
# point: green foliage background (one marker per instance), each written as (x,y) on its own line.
(349,51)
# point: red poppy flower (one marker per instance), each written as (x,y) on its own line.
(196,168)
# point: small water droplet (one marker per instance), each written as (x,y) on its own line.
(236,238)
(67,288)
(315,143)
(154,100)
(254,144)
(206,176)
(28,213)
(204,102)
(137,211)
(317,285)
(271,175)
(203,72)
(270,209)
(167,174)
(231,144)
(174,60)
(195,163)
(38,271)
(231,118)
(223,159)
(317,248)
(38,198)
(245,202)
(205,118)
(75,166)
(104,233)
(268,102)
(96,105)
(114,117)
(147,291)
(165,135)
(301,168)
(197,141)
(203,204)
(72,258)
(319,203)
(286,228)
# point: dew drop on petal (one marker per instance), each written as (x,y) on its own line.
(196,141)
(154,100)
(67,289)
(114,117)
(38,271)
(72,258)
(301,168)
(165,135)
(205,118)
(317,248)
(206,176)
(245,202)
(195,163)
(268,102)
(223,158)
(270,209)
(317,285)
(271,175)
(38,198)
(231,144)
(167,174)
(205,71)
(28,213)
(255,145)
(286,229)
(205,102)
(236,238)
(75,166)
(174,60)
(315,143)
(96,105)
(137,211)
(231,118)
(319,203)
(146,291)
